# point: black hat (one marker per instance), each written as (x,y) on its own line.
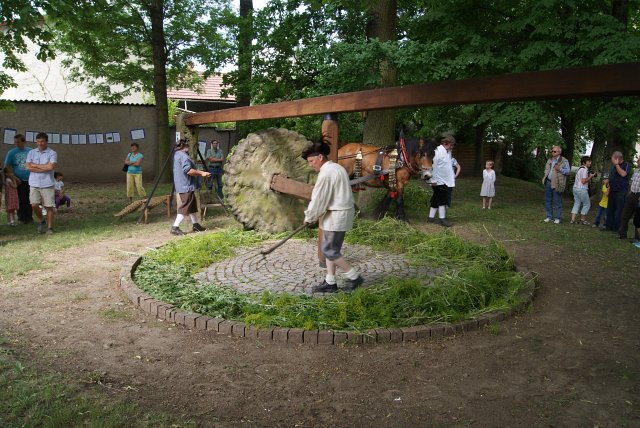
(317,148)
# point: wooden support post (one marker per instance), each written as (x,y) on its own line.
(330,134)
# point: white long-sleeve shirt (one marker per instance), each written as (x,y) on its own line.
(442,169)
(331,199)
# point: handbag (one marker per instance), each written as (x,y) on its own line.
(125,168)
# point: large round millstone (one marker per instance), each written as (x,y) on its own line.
(248,173)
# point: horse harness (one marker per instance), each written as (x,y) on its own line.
(378,172)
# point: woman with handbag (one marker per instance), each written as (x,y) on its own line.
(581,191)
(132,165)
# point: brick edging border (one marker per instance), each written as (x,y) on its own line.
(168,312)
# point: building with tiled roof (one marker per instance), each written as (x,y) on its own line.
(208,97)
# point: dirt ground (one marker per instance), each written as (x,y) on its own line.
(573,360)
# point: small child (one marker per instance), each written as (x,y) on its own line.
(488,184)
(11,195)
(60,197)
(604,201)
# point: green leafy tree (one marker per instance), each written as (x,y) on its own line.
(117,47)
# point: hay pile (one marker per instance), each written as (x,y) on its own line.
(248,173)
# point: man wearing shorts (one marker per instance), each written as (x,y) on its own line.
(185,180)
(332,204)
(41,162)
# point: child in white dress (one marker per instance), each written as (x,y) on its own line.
(488,184)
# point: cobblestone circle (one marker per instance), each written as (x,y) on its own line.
(294,268)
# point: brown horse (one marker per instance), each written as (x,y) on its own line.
(414,157)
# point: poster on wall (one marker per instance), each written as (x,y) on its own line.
(137,134)
(92,138)
(202,146)
(82,139)
(30,136)
(9,133)
(74,138)
(65,138)
(54,138)
(112,137)
(99,139)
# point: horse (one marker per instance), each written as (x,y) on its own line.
(414,157)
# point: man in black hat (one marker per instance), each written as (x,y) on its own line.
(185,180)
(331,204)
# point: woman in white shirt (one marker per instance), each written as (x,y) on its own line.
(581,191)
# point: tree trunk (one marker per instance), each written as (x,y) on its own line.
(620,11)
(245,68)
(379,127)
(156,12)
(568,131)
(478,143)
(598,157)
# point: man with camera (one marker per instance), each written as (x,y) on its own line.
(554,180)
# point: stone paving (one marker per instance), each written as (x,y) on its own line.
(294,268)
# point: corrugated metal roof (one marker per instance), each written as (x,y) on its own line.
(210,91)
(74,102)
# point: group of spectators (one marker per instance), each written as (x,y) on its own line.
(620,193)
(31,184)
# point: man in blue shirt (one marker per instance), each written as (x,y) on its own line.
(185,181)
(555,176)
(15,160)
(41,163)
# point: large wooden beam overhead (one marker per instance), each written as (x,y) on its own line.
(603,80)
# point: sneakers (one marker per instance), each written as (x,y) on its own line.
(175,230)
(197,227)
(352,284)
(42,227)
(443,222)
(556,221)
(49,231)
(325,287)
(547,220)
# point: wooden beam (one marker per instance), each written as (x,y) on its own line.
(290,187)
(602,80)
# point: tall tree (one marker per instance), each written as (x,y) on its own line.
(121,46)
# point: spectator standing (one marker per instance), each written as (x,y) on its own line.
(11,203)
(555,180)
(618,187)
(601,212)
(134,172)
(16,159)
(631,203)
(332,205)
(456,172)
(41,163)
(442,181)
(488,190)
(581,191)
(185,180)
(215,157)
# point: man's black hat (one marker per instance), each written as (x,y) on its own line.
(317,148)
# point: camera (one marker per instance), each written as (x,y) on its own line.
(595,174)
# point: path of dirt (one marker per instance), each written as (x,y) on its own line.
(571,361)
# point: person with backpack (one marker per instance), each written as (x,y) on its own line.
(554,180)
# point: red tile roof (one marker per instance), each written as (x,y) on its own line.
(210,91)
